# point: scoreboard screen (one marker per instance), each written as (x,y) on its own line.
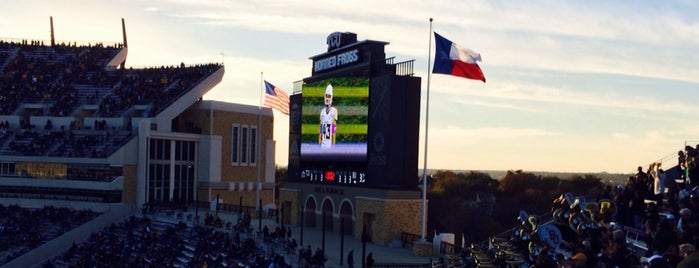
(334,120)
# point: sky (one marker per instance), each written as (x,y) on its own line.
(572,86)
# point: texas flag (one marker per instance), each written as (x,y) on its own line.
(456,60)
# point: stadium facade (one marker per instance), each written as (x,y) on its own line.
(76,130)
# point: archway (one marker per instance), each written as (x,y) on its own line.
(309,217)
(347,217)
(327,214)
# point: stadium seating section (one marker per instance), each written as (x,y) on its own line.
(75,81)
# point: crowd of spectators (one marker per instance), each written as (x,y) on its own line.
(35,73)
(31,143)
(688,166)
(45,74)
(97,144)
(4,128)
(55,143)
(24,229)
(4,55)
(155,86)
(651,220)
(151,242)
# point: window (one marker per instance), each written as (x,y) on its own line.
(184,151)
(158,182)
(253,146)
(178,150)
(244,146)
(159,149)
(234,144)
(191,151)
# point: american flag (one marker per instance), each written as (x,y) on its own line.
(276,98)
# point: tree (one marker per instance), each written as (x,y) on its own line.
(581,184)
(459,192)
(515,182)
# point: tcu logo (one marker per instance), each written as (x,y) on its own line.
(334,40)
(340,39)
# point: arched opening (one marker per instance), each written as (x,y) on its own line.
(346,221)
(327,215)
(309,217)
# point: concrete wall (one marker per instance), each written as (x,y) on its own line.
(387,213)
(390,218)
(291,195)
(128,196)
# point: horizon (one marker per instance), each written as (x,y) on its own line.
(593,87)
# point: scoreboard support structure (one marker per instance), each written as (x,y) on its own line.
(353,144)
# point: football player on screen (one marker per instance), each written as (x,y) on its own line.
(328,121)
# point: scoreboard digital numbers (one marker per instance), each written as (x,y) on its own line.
(333,176)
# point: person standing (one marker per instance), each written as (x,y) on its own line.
(350,259)
(370,260)
(328,121)
(658,176)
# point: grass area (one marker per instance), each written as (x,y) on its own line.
(341,129)
(338,91)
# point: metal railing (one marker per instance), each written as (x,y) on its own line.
(405,68)
(67,43)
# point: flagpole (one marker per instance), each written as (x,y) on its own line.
(423,212)
(259,143)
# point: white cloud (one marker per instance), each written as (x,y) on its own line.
(536,92)
(604,37)
(506,106)
(453,133)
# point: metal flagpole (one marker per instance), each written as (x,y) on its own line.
(258,144)
(423,213)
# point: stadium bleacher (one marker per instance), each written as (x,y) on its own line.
(71,81)
(24,229)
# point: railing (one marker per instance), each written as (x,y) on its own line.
(233,208)
(400,265)
(405,68)
(45,42)
(637,239)
(389,61)
(449,248)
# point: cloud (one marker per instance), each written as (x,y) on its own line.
(506,106)
(602,37)
(533,91)
(458,134)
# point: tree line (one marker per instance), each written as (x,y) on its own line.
(478,206)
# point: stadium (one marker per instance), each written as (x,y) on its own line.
(82,132)
(107,166)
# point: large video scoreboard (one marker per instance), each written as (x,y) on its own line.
(355,121)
